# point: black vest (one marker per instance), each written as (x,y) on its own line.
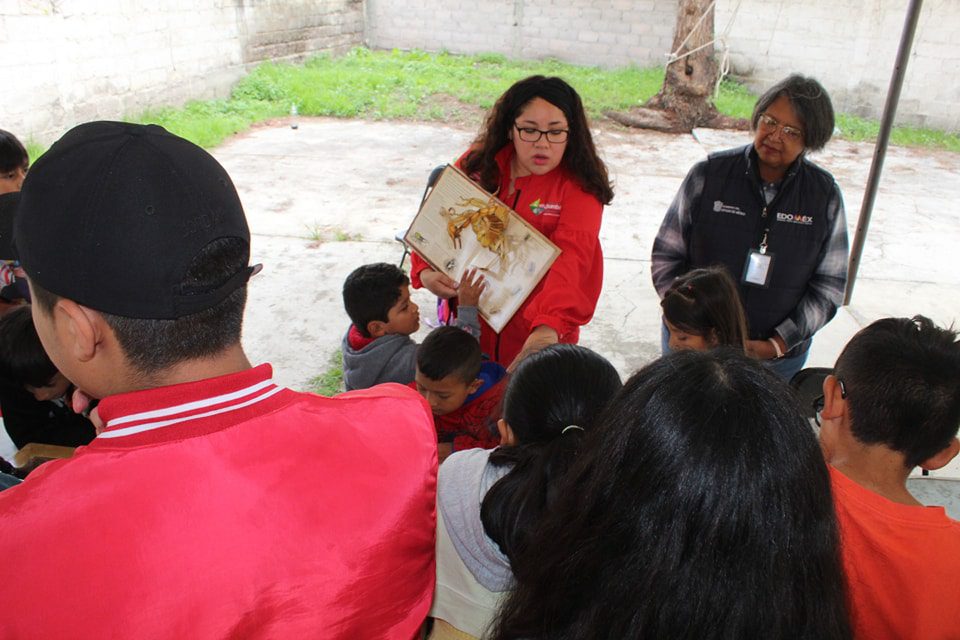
(731,220)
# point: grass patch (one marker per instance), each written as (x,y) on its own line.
(444,87)
(330,382)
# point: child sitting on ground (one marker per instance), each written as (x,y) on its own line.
(893,403)
(702,310)
(489,502)
(377,347)
(34,396)
(463,391)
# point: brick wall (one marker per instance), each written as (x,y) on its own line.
(67,61)
(850,45)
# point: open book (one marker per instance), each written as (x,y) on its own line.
(460,226)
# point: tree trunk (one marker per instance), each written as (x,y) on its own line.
(685,100)
(689,82)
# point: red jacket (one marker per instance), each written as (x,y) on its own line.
(229,508)
(565,299)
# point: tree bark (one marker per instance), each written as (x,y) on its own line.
(685,100)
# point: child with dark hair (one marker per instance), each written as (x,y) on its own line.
(14,163)
(34,396)
(463,390)
(702,310)
(377,347)
(488,502)
(892,404)
(214,503)
(699,508)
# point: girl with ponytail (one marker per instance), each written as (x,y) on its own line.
(489,501)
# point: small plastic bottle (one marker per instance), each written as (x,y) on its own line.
(293,116)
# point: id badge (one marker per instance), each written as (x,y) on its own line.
(758,268)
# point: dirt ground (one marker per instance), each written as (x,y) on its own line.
(332,194)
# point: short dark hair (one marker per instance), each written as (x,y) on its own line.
(152,345)
(580,157)
(561,386)
(705,300)
(370,291)
(700,508)
(902,378)
(809,100)
(13,155)
(22,358)
(449,350)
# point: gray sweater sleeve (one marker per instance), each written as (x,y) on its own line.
(468,319)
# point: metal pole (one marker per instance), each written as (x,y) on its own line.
(880,150)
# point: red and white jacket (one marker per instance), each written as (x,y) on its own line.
(558,207)
(229,508)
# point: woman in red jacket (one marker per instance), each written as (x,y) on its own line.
(536,154)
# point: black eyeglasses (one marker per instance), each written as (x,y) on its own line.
(818,402)
(531,134)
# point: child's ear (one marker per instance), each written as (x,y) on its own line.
(377,328)
(943,457)
(834,402)
(473,386)
(82,328)
(507,439)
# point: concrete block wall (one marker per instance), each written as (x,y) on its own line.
(68,61)
(850,45)
(606,33)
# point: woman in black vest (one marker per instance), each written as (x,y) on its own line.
(773,219)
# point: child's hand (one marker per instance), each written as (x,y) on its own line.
(471,286)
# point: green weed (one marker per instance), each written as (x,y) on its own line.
(330,382)
(444,87)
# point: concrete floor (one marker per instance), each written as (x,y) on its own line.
(331,195)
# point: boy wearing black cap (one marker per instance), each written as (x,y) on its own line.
(213,503)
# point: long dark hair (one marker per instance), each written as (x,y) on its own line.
(562,386)
(580,157)
(700,508)
(705,302)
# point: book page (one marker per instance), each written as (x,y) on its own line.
(460,226)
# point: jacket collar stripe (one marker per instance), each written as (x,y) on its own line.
(148,426)
(189,406)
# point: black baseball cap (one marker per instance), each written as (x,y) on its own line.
(113,215)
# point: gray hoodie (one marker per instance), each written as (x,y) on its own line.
(392,358)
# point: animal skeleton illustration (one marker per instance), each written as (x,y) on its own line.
(487,219)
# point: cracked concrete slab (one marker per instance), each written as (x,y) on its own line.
(332,194)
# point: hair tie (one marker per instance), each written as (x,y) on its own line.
(572,426)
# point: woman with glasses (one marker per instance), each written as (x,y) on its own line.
(773,219)
(535,152)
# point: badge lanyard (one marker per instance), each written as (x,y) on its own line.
(759,264)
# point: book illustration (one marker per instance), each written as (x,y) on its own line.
(487,219)
(461,227)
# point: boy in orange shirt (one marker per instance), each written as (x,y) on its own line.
(892,404)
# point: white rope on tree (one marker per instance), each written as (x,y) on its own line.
(724,64)
(673,56)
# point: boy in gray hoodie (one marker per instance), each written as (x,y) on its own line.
(377,347)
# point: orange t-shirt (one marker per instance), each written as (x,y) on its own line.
(902,564)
